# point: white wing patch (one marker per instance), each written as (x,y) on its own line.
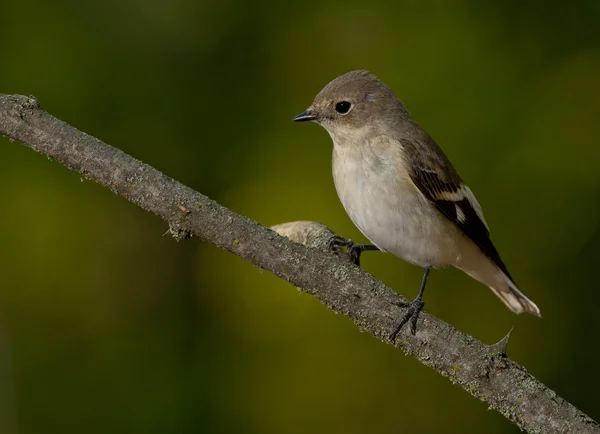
(460,215)
(471,198)
(452,196)
(462,193)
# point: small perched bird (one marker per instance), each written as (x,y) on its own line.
(402,192)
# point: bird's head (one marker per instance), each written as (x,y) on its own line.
(354,101)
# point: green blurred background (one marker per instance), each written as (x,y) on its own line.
(106,325)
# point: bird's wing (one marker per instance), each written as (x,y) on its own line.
(458,204)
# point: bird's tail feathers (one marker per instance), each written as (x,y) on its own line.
(499,282)
(514,299)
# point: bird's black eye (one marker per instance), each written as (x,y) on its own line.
(342,107)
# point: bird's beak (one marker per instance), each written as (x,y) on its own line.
(305,116)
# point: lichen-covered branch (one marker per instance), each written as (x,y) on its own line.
(482,370)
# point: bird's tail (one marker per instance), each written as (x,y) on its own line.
(500,283)
(514,299)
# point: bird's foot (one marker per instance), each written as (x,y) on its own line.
(354,250)
(336,243)
(412,315)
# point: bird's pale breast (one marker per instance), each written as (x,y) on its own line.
(378,195)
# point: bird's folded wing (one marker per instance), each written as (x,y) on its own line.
(457,203)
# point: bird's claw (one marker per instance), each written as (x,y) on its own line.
(412,314)
(354,251)
(336,243)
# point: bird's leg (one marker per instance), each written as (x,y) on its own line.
(354,250)
(414,309)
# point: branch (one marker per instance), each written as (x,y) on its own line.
(483,371)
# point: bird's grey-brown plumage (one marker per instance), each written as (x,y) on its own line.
(400,189)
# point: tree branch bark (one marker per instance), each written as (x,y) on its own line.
(482,370)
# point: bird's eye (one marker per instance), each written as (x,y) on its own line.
(342,107)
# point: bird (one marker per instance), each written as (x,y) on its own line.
(402,192)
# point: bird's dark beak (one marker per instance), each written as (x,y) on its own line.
(305,116)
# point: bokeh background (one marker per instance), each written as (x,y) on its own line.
(106,325)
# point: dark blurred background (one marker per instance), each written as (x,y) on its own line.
(106,325)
